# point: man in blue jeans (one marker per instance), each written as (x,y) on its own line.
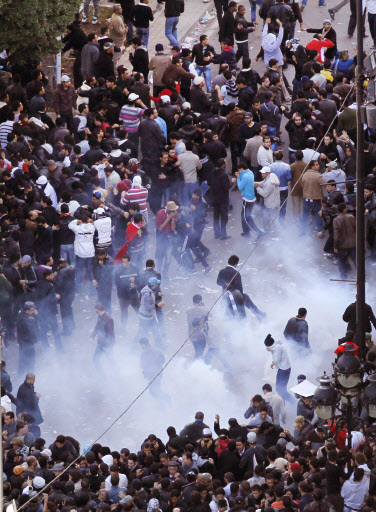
(173,10)
(202,53)
(282,364)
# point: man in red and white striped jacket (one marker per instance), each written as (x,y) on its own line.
(136,194)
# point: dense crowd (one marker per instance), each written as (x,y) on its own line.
(92,172)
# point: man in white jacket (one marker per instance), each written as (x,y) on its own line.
(282,364)
(83,245)
(354,491)
(268,188)
(276,403)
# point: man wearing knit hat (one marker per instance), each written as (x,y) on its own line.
(136,194)
(282,364)
(158,65)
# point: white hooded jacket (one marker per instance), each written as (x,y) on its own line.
(269,190)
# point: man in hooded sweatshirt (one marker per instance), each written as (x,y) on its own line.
(268,188)
(147,311)
(271,44)
(281,362)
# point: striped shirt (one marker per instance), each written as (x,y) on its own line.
(5,129)
(131,117)
(136,195)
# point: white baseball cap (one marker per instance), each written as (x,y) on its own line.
(133,96)
(264,170)
(42,180)
(165,98)
(65,78)
(198,80)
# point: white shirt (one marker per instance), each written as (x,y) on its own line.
(83,241)
(50,192)
(280,357)
(264,156)
(123,481)
(103,226)
(371,6)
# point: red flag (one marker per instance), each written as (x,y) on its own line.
(130,234)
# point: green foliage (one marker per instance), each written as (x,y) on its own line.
(29,28)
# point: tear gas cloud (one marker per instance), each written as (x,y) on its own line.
(284,273)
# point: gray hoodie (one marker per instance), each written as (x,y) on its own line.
(147,304)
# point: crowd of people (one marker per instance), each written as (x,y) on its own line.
(110,184)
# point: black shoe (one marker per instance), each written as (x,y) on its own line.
(225,237)
(332,13)
(247,235)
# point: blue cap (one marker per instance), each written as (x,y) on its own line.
(153,281)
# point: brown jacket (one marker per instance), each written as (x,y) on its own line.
(118,29)
(158,64)
(344,228)
(235,118)
(297,169)
(311,182)
(64,99)
(174,72)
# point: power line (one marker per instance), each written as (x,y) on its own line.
(198,326)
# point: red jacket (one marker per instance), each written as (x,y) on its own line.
(320,46)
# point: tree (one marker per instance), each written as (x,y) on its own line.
(30,29)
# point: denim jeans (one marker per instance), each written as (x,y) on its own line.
(254,3)
(281,384)
(187,192)
(206,71)
(248,223)
(96,8)
(67,253)
(311,207)
(81,264)
(272,132)
(171,30)
(143,34)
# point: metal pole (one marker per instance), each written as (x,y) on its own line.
(349,429)
(360,175)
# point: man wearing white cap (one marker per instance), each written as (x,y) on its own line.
(64,101)
(268,188)
(136,194)
(47,189)
(199,101)
(131,114)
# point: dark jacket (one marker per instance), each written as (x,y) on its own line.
(29,402)
(5,381)
(174,8)
(64,99)
(246,462)
(297,330)
(103,273)
(225,276)
(104,330)
(140,61)
(228,27)
(123,276)
(199,101)
(227,56)
(235,119)
(104,65)
(199,52)
(151,136)
(297,135)
(344,232)
(193,431)
(245,98)
(219,185)
(27,329)
(64,453)
(349,316)
(65,282)
(46,298)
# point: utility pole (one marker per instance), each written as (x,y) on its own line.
(360,176)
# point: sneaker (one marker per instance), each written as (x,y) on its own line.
(225,237)
(207,270)
(95,21)
(332,13)
(323,5)
(84,19)
(247,235)
(259,237)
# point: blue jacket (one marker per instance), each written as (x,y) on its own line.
(282,171)
(246,184)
